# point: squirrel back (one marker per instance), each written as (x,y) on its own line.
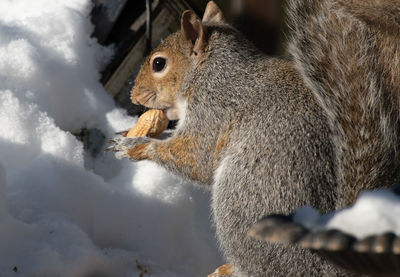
(348,54)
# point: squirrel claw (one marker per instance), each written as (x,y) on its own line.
(122,133)
(110,149)
(120,145)
(110,141)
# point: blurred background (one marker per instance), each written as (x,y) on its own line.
(134,27)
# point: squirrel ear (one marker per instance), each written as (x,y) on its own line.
(213,13)
(194,31)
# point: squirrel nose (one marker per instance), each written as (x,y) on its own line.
(142,96)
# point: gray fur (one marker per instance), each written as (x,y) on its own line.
(349,62)
(279,156)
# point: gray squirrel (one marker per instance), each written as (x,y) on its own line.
(269,135)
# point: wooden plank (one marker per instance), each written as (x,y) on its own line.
(134,58)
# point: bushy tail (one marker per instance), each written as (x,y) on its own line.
(348,53)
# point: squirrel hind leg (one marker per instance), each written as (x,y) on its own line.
(226,270)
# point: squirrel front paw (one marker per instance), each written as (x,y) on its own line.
(132,148)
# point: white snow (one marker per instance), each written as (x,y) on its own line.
(62,211)
(374,212)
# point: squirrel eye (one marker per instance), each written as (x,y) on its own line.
(159,64)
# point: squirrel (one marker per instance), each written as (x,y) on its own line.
(267,134)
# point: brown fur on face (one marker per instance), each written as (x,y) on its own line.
(160,91)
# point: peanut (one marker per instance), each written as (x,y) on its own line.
(152,123)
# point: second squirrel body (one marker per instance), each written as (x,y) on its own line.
(248,128)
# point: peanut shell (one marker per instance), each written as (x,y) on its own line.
(152,123)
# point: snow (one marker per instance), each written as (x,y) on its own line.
(374,212)
(63,211)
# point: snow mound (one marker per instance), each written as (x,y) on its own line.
(64,212)
(374,212)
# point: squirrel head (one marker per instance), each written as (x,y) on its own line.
(160,78)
